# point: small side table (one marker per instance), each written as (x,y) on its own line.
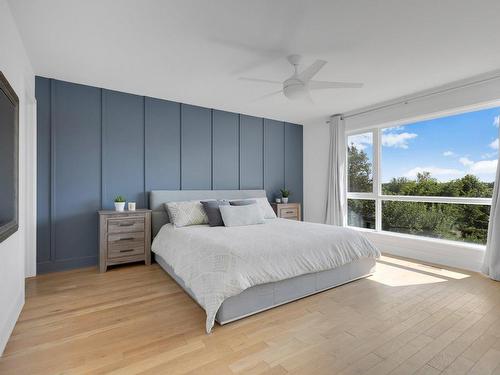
(124,237)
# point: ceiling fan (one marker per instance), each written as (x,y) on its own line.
(299,84)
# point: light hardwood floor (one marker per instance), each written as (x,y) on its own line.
(407,318)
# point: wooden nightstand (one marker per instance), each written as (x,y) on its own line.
(124,237)
(287,210)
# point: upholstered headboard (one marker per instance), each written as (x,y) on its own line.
(159,216)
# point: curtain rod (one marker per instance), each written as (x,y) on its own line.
(425,94)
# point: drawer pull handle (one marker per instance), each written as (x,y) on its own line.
(125,225)
(126,239)
(126,251)
(289,212)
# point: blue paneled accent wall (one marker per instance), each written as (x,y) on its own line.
(93,144)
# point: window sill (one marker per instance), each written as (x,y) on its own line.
(472,246)
(445,252)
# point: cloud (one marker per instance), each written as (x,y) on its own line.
(494,144)
(397,140)
(466,162)
(437,172)
(496,121)
(393,129)
(389,139)
(484,167)
(361,141)
(488,155)
(449,153)
(485,170)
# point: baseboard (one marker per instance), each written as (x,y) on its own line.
(10,322)
(66,264)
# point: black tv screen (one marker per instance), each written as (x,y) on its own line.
(9,117)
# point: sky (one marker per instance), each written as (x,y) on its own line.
(448,147)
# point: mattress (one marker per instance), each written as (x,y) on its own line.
(217,263)
(266,296)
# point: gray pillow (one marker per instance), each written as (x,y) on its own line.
(248,214)
(242,202)
(213,212)
(263,203)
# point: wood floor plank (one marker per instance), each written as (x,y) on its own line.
(487,363)
(408,318)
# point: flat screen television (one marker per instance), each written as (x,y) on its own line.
(9,173)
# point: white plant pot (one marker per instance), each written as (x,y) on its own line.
(284,200)
(120,206)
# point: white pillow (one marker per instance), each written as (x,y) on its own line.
(186,213)
(234,216)
(264,205)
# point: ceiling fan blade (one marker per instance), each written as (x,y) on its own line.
(320,85)
(258,80)
(267,95)
(311,70)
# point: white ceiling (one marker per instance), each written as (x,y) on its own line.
(194,51)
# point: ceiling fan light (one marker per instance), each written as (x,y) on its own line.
(295,91)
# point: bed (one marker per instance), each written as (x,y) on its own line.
(239,271)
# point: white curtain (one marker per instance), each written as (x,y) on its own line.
(336,198)
(491,263)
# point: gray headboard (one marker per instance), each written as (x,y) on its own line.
(159,216)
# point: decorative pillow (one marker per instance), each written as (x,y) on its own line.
(234,216)
(263,203)
(212,210)
(186,213)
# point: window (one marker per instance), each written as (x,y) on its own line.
(359,159)
(459,222)
(361,213)
(432,178)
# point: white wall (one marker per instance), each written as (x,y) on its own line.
(316,149)
(15,65)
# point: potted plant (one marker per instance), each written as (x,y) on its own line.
(119,203)
(285,193)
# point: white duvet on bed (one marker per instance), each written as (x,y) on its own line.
(219,262)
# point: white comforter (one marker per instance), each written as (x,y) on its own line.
(219,262)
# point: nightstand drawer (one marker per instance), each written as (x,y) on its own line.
(289,212)
(126,252)
(125,244)
(125,225)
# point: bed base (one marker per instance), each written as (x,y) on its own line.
(267,296)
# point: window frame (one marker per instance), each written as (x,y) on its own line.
(377,195)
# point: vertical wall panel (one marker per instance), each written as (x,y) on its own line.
(293,161)
(42,92)
(274,158)
(251,153)
(163,145)
(225,146)
(196,147)
(123,147)
(76,125)
(93,144)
